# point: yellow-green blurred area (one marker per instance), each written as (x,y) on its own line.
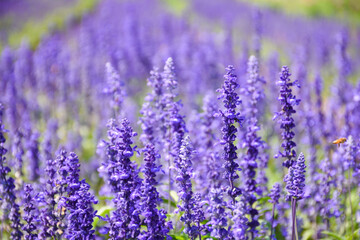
(31,20)
(343,10)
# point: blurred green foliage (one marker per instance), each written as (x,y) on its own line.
(34,31)
(345,10)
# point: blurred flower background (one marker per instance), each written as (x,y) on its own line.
(179,119)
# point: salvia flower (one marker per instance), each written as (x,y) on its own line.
(47,214)
(275,193)
(155,219)
(287,123)
(29,214)
(115,88)
(34,157)
(230,116)
(295,179)
(193,213)
(124,181)
(218,216)
(240,220)
(252,141)
(79,203)
(10,208)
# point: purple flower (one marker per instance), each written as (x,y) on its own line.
(252,141)
(34,157)
(10,208)
(47,214)
(295,179)
(151,109)
(154,219)
(79,203)
(190,204)
(124,181)
(29,214)
(115,88)
(230,116)
(287,101)
(218,216)
(275,193)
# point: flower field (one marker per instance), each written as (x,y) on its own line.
(196,119)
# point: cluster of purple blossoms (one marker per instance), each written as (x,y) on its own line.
(115,89)
(10,209)
(230,116)
(295,179)
(287,101)
(79,203)
(124,181)
(190,203)
(29,216)
(154,219)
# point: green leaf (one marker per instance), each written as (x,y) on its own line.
(103,211)
(332,234)
(174,195)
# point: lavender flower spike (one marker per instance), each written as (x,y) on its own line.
(230,116)
(115,88)
(29,215)
(295,185)
(9,206)
(288,101)
(193,213)
(79,203)
(295,179)
(124,181)
(157,227)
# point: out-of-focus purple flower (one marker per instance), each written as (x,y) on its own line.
(287,101)
(115,88)
(275,193)
(193,214)
(47,215)
(155,219)
(61,191)
(79,203)
(151,110)
(295,179)
(230,116)
(240,220)
(342,86)
(124,181)
(218,216)
(252,141)
(326,206)
(18,152)
(29,214)
(10,208)
(33,157)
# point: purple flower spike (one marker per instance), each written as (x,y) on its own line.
(295,179)
(189,204)
(288,101)
(115,88)
(10,208)
(230,116)
(157,227)
(29,215)
(275,193)
(79,203)
(124,181)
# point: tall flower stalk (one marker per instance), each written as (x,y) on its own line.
(124,181)
(295,186)
(287,123)
(230,116)
(154,218)
(190,204)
